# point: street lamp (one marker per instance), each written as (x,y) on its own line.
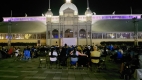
(135,21)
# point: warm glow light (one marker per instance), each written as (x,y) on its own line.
(68,1)
(88,15)
(112,35)
(75,13)
(27,36)
(1,37)
(49,16)
(61,13)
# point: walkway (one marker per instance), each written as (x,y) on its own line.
(28,70)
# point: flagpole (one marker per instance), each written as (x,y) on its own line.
(11,14)
(131,10)
(113,13)
(9,31)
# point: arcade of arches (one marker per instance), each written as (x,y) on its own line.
(68,34)
(83,35)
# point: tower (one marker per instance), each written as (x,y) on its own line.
(88,13)
(48,15)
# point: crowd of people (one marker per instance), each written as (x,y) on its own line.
(80,55)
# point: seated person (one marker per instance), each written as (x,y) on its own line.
(95,53)
(118,57)
(63,57)
(53,53)
(82,57)
(119,54)
(74,59)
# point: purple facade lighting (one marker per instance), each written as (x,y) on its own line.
(15,19)
(94,17)
(115,17)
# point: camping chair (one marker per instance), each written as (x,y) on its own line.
(42,59)
(96,64)
(53,59)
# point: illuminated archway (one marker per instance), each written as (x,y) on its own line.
(68,33)
(55,33)
(82,33)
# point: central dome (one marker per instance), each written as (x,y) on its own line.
(68,5)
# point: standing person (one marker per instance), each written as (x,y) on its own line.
(66,49)
(17,52)
(27,55)
(32,51)
(111,47)
(105,52)
(60,49)
(11,51)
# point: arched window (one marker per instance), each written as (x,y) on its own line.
(55,33)
(82,33)
(68,33)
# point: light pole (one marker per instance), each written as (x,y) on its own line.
(9,34)
(135,21)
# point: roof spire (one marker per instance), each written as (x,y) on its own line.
(49,5)
(11,14)
(87,4)
(49,12)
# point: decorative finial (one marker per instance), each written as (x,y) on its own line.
(113,13)
(25,15)
(87,4)
(42,14)
(49,5)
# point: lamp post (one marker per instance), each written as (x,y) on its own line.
(9,34)
(135,21)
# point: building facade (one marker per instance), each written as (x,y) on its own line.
(88,28)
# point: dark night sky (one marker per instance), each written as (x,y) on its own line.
(37,7)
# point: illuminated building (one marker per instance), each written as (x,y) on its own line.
(88,28)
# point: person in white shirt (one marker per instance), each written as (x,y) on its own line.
(16,52)
(54,53)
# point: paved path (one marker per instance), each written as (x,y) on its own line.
(29,70)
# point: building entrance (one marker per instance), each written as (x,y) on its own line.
(68,33)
